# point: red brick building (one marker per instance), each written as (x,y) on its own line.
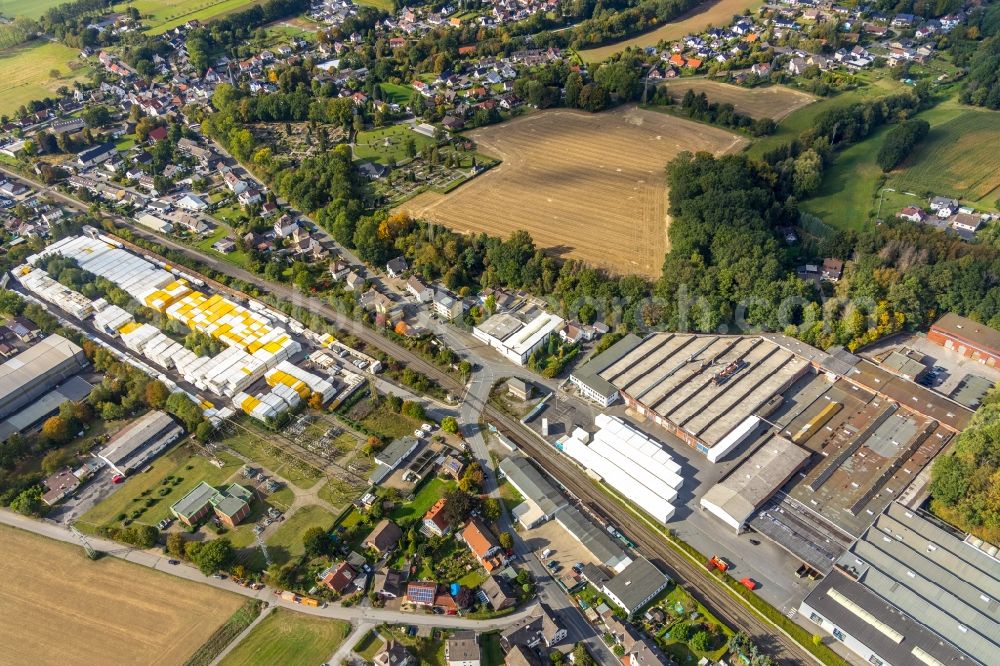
(969,338)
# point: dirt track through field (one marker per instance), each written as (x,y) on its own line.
(585,186)
(763,102)
(58,607)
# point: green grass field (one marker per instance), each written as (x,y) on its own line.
(162,15)
(26,72)
(180,463)
(379,145)
(287,637)
(286,542)
(397,94)
(28,8)
(430,492)
(960,157)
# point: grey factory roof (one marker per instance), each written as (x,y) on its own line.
(128,443)
(501,326)
(971,390)
(589,373)
(636,583)
(877,624)
(932,576)
(593,538)
(73,389)
(530,483)
(705,384)
(38,361)
(397,450)
(757,478)
(905,362)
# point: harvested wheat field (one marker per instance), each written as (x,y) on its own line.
(585,186)
(56,606)
(699,19)
(763,102)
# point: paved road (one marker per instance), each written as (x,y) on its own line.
(353,614)
(473,407)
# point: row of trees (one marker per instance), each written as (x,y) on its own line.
(899,141)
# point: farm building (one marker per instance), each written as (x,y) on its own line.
(735,499)
(230,506)
(518,336)
(135,445)
(910,593)
(630,462)
(35,371)
(969,338)
(636,585)
(541,498)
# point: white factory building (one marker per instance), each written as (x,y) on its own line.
(517,338)
(630,462)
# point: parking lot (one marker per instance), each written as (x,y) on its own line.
(566,550)
(953,366)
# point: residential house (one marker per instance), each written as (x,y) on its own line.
(483,544)
(394,653)
(499,594)
(419,290)
(285,226)
(944,206)
(833,269)
(434,520)
(912,213)
(453,467)
(389,584)
(249,196)
(421,593)
(541,627)
(338,577)
(462,649)
(353,281)
(396,267)
(384,537)
(96,155)
(447,306)
(522,656)
(967,222)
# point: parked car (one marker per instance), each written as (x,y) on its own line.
(173,561)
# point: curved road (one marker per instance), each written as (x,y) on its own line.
(475,406)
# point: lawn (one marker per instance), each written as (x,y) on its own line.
(385,5)
(369,645)
(287,637)
(395,93)
(850,184)
(286,542)
(127,142)
(162,15)
(265,452)
(237,257)
(27,8)
(26,72)
(385,143)
(431,491)
(187,468)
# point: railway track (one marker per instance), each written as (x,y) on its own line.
(693,577)
(696,580)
